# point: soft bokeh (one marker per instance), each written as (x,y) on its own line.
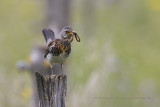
(116,64)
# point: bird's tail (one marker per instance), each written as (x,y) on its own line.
(48,35)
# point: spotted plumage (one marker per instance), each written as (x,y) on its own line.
(59,49)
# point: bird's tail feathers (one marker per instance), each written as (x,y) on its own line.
(48,35)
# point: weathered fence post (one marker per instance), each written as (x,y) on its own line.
(52,90)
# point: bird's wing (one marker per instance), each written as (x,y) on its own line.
(48,35)
(46,53)
(49,47)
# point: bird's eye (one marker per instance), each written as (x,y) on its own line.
(67,32)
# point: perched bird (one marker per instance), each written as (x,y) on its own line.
(59,49)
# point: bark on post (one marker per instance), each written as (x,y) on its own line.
(52,90)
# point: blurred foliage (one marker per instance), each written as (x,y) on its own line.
(116,64)
(21,24)
(123,53)
(154,5)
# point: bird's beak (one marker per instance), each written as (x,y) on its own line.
(71,33)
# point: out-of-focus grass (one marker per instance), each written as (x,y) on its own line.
(131,30)
(20,26)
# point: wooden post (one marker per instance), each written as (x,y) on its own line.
(51,90)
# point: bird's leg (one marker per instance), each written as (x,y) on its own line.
(62,68)
(52,72)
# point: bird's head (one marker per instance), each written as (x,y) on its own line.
(68,33)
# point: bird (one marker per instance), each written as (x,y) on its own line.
(58,50)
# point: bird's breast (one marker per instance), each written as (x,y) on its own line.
(59,52)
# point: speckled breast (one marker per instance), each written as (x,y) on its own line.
(59,51)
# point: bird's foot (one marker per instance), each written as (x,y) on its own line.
(62,74)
